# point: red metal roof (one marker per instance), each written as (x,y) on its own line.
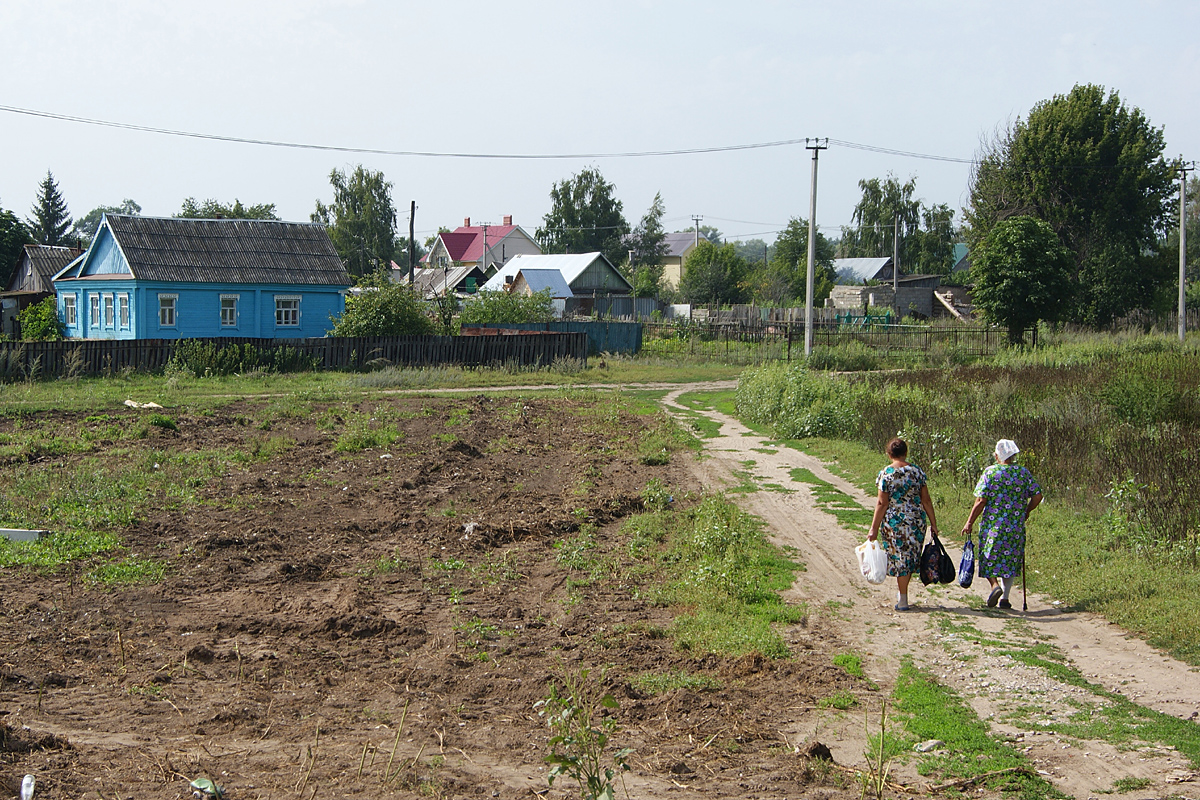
(465,243)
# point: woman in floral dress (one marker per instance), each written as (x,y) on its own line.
(900,512)
(1004,496)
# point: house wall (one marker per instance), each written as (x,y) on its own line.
(197,310)
(599,278)
(515,244)
(672,271)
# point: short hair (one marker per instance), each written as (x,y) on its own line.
(896,448)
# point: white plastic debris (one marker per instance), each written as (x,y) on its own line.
(136,404)
(27,784)
(929,745)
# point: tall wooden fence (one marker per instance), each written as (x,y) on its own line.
(104,357)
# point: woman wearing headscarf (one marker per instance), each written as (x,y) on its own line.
(900,513)
(1004,496)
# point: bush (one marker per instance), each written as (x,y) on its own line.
(39,322)
(387,309)
(507,307)
(201,359)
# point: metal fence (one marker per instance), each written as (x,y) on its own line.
(106,356)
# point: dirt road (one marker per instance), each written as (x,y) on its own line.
(1022,703)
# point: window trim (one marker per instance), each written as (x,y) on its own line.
(70,310)
(174,306)
(110,310)
(124,313)
(93,309)
(237,302)
(287,298)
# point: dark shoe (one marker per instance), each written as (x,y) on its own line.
(1005,604)
(903,608)
(994,597)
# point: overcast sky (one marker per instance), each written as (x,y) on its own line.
(551,78)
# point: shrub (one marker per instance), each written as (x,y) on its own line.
(39,322)
(385,309)
(202,359)
(507,307)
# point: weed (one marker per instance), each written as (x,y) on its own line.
(162,421)
(839,700)
(575,710)
(132,570)
(851,663)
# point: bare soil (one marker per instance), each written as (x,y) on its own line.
(382,623)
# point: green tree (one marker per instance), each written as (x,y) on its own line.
(213,209)
(51,220)
(1093,170)
(706,232)
(753,250)
(13,238)
(648,247)
(783,281)
(1022,274)
(1170,244)
(383,308)
(484,307)
(361,219)
(584,217)
(926,241)
(86,226)
(713,274)
(39,322)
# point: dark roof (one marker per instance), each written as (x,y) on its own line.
(46,261)
(227,250)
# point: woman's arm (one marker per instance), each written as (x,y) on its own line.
(927,504)
(1033,503)
(976,510)
(881,504)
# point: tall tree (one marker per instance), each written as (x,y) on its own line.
(1022,274)
(214,209)
(51,220)
(706,232)
(85,227)
(926,240)
(584,217)
(648,247)
(1093,170)
(13,238)
(361,219)
(783,280)
(713,274)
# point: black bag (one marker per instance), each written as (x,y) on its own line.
(936,564)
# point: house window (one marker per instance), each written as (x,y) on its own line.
(94,317)
(229,310)
(68,309)
(109,312)
(123,310)
(166,310)
(287,311)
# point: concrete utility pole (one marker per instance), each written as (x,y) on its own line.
(816,146)
(696,219)
(1184,169)
(412,253)
(895,260)
(483,258)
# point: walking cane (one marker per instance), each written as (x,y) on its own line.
(1024,595)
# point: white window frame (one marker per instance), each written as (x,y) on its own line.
(123,316)
(110,310)
(94,309)
(168,306)
(70,311)
(282,312)
(231,320)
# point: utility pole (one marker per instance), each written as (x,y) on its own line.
(1184,169)
(696,219)
(412,252)
(816,147)
(895,259)
(483,258)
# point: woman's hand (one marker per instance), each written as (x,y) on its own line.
(872,536)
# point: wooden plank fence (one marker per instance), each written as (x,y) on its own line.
(108,356)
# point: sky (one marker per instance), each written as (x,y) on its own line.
(558,78)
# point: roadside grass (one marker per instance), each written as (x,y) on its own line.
(928,710)
(848,511)
(126,572)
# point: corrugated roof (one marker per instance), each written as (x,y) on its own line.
(227,251)
(679,243)
(571,265)
(46,261)
(857,270)
(539,280)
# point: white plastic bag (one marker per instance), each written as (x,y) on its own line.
(872,560)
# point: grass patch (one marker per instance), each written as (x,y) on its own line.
(848,511)
(129,571)
(850,662)
(656,683)
(842,701)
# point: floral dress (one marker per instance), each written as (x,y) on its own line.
(1007,489)
(903,529)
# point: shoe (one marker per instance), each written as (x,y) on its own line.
(1004,603)
(994,597)
(903,608)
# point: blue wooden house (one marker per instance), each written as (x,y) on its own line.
(171,278)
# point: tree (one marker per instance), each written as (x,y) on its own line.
(1022,274)
(713,274)
(50,221)
(39,322)
(783,280)
(584,217)
(753,250)
(926,241)
(13,238)
(361,219)
(86,226)
(383,308)
(507,307)
(1093,170)
(706,232)
(212,209)
(648,246)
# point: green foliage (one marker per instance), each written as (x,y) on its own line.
(51,220)
(213,209)
(384,309)
(926,241)
(86,226)
(1022,275)
(361,219)
(485,307)
(1093,170)
(584,217)
(850,662)
(128,571)
(162,421)
(39,322)
(713,274)
(784,280)
(205,359)
(13,238)
(576,711)
(656,683)
(796,403)
(648,247)
(363,432)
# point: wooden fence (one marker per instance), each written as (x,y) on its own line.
(106,356)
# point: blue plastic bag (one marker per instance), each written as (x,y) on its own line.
(966,567)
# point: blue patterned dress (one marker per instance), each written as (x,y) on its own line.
(1007,489)
(903,530)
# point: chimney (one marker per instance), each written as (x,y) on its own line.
(466,222)
(508,219)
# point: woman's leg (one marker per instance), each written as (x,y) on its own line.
(902,590)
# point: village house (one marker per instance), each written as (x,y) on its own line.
(32,281)
(486,247)
(171,278)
